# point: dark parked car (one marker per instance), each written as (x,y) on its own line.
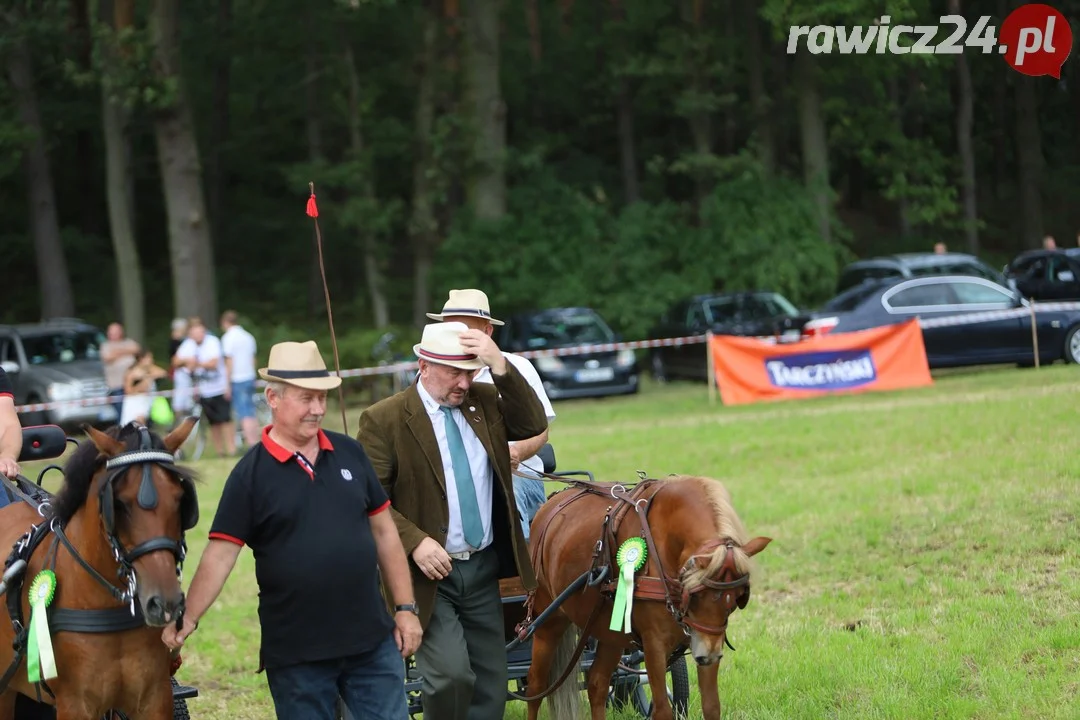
(1046,274)
(912,265)
(753,314)
(613,372)
(1003,340)
(57,361)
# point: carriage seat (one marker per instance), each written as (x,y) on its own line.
(39,442)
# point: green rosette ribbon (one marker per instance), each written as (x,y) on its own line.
(630,559)
(40,661)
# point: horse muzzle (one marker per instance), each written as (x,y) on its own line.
(160,611)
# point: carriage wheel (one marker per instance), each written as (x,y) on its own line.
(629,692)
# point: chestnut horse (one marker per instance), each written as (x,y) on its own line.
(697,572)
(114,538)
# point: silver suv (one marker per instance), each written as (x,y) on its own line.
(57,361)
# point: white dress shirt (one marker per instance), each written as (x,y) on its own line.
(526,368)
(478,463)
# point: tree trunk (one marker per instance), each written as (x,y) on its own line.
(119,187)
(897,103)
(624,114)
(964,119)
(815,147)
(1030,160)
(219,128)
(422,224)
(91,221)
(487,191)
(190,244)
(372,274)
(759,99)
(57,299)
(701,126)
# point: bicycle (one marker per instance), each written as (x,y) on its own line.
(195,445)
(384,355)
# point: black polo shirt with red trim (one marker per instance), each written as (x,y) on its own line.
(5,385)
(308,526)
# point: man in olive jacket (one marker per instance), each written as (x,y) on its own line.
(440,449)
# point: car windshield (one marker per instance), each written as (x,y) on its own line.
(563,329)
(63,346)
(954,268)
(856,276)
(763,306)
(850,300)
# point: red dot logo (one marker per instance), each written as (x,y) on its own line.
(1036,39)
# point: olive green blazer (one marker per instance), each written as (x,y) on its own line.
(397,435)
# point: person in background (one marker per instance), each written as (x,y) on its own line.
(183,399)
(117,355)
(10,433)
(139,381)
(201,354)
(1049,243)
(470,307)
(940,248)
(240,349)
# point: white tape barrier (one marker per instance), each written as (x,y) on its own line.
(397,367)
(964,319)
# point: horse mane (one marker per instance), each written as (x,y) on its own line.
(80,468)
(728,524)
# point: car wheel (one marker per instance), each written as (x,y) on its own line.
(659,372)
(1072,345)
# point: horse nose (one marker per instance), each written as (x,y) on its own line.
(160,611)
(701,659)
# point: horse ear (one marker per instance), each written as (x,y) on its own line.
(107,446)
(177,437)
(756,545)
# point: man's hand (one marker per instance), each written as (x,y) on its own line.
(175,640)
(481,345)
(407,632)
(9,468)
(432,559)
(515,456)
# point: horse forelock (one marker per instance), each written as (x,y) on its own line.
(726,523)
(87,460)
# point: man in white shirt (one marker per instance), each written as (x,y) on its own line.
(203,357)
(240,348)
(471,308)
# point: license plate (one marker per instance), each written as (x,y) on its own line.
(594,375)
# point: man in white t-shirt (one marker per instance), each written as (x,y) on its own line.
(240,348)
(203,357)
(471,308)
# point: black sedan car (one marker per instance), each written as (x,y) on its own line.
(1046,274)
(754,314)
(612,372)
(1005,339)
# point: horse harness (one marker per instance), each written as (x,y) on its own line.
(673,592)
(128,616)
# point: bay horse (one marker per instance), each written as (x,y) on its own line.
(114,538)
(697,572)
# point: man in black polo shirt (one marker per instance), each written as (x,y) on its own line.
(10,432)
(311,508)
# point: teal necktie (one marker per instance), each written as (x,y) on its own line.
(466,491)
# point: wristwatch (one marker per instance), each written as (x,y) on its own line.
(408,607)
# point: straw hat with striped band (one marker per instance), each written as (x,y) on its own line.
(441,344)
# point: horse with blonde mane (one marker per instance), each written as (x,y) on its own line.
(696,573)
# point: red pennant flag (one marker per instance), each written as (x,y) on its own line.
(312,208)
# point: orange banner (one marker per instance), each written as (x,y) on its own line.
(885,358)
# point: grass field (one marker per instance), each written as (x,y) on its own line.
(924,555)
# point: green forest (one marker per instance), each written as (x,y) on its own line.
(155,157)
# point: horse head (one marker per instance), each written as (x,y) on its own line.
(714,562)
(145,505)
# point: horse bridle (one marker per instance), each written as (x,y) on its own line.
(147,498)
(677,595)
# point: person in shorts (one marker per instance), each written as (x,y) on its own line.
(240,348)
(202,355)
